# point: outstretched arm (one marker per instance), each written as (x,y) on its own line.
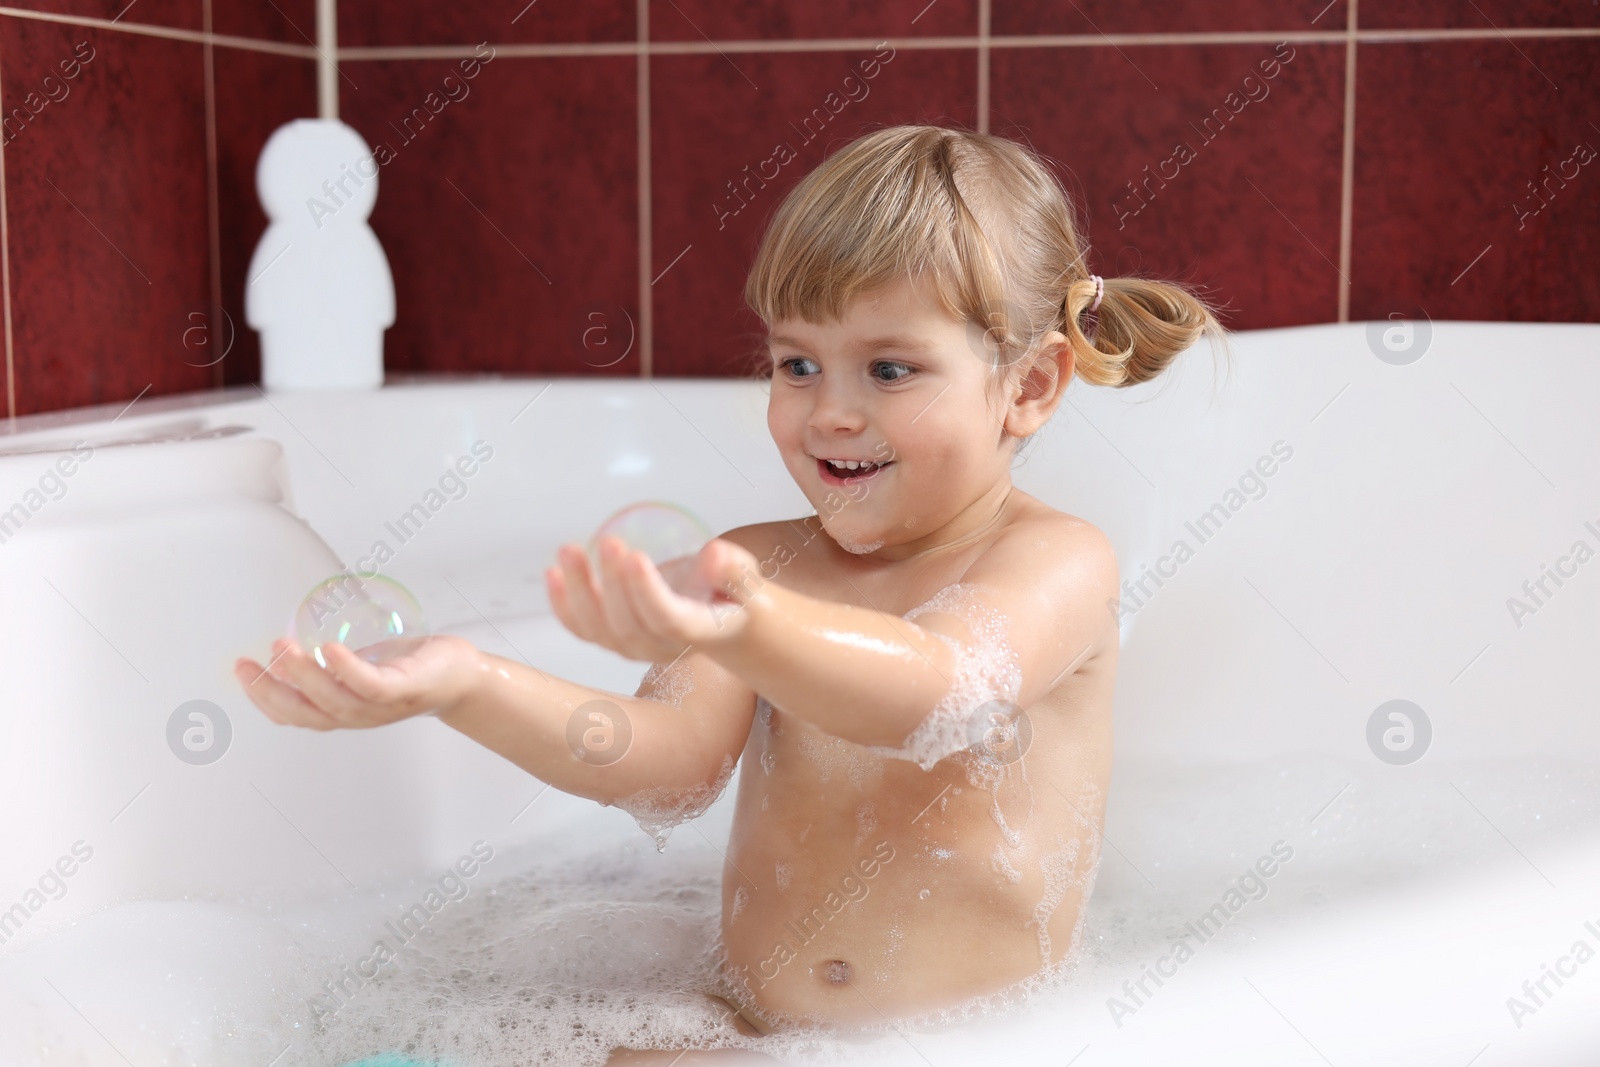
(676,735)
(1031,610)
(625,745)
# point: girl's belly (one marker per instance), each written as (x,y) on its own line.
(861,889)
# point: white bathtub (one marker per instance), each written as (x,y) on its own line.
(1407,502)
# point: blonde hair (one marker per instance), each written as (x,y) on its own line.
(988,222)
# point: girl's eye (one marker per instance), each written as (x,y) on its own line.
(788,363)
(895,378)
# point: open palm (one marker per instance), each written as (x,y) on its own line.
(644,612)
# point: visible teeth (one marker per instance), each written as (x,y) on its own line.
(851,464)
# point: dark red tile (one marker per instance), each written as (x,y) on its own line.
(709,123)
(106,209)
(368,23)
(283,21)
(256,93)
(718,20)
(182,14)
(1248,213)
(510,214)
(1452,139)
(1028,17)
(1481,14)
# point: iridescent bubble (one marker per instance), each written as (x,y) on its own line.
(660,530)
(377,617)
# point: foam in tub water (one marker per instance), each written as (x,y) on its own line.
(561,949)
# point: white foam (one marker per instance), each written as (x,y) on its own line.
(667,683)
(586,940)
(660,808)
(1061,873)
(831,754)
(1002,863)
(856,547)
(986,669)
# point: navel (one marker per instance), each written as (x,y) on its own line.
(834,972)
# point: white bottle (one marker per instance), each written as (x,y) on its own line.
(319,289)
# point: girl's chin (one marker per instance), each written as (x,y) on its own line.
(856,542)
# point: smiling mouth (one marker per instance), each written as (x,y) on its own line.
(834,475)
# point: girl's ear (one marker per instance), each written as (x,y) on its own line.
(1042,386)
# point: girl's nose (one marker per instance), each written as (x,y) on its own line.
(835,410)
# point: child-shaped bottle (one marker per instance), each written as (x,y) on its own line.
(319,290)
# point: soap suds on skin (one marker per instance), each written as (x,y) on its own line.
(1060,875)
(986,669)
(667,683)
(829,754)
(1002,863)
(857,548)
(660,808)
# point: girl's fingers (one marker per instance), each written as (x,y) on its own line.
(658,607)
(727,568)
(320,686)
(282,703)
(625,625)
(361,678)
(581,596)
(556,583)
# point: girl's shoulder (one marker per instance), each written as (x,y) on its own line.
(1032,515)
(775,538)
(1038,540)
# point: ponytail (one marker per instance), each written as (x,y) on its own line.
(1141,325)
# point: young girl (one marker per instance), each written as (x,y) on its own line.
(919,677)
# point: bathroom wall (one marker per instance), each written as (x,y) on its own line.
(577,186)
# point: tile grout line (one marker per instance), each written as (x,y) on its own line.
(5,277)
(213,205)
(327,53)
(985,15)
(1348,163)
(646,194)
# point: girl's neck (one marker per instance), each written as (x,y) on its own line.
(970,525)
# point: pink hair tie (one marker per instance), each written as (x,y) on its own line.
(1099,291)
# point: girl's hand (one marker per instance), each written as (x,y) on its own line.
(652,614)
(433,675)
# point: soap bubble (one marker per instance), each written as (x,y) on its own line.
(660,530)
(377,617)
